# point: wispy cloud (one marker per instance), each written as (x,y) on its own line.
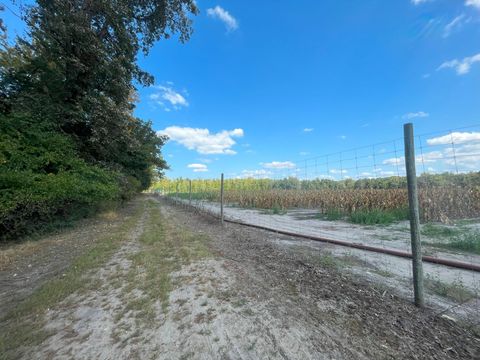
(167,97)
(418,2)
(455,24)
(413,115)
(279,165)
(308,130)
(462,67)
(220,13)
(202,141)
(198,167)
(474,3)
(343,137)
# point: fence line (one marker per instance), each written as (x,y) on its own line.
(359,199)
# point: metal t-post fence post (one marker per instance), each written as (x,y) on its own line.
(176,194)
(190,193)
(414,215)
(221,199)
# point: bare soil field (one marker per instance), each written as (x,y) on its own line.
(161,282)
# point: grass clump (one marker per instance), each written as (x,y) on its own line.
(328,261)
(432,230)
(378,217)
(455,291)
(275,210)
(467,242)
(333,214)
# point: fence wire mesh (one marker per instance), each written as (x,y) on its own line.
(359,198)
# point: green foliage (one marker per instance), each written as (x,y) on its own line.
(432,230)
(334,214)
(69,140)
(42,179)
(468,241)
(376,216)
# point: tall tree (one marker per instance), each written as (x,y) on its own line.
(78,67)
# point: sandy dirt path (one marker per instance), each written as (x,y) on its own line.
(180,286)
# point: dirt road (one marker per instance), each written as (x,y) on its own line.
(164,283)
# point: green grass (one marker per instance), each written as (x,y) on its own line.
(455,291)
(328,261)
(467,242)
(367,217)
(378,217)
(439,231)
(275,210)
(166,247)
(333,215)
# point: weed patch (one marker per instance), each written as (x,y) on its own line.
(455,291)
(165,249)
(378,217)
(467,242)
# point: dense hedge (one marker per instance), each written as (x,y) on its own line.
(42,180)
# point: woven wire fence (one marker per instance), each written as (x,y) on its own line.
(350,210)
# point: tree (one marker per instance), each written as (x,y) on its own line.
(67,94)
(78,67)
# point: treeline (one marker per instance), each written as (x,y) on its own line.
(69,142)
(291,183)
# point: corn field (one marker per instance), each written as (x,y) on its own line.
(437,203)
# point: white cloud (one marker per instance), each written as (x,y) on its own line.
(308,130)
(304,153)
(463,157)
(393,161)
(167,97)
(279,165)
(198,167)
(418,2)
(338,171)
(474,3)
(262,174)
(430,157)
(413,115)
(457,22)
(343,137)
(202,141)
(219,13)
(455,137)
(462,67)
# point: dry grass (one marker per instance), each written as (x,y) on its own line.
(436,203)
(23,326)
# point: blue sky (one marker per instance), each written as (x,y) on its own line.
(264,85)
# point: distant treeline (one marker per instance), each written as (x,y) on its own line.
(69,142)
(291,183)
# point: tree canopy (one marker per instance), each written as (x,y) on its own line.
(67,95)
